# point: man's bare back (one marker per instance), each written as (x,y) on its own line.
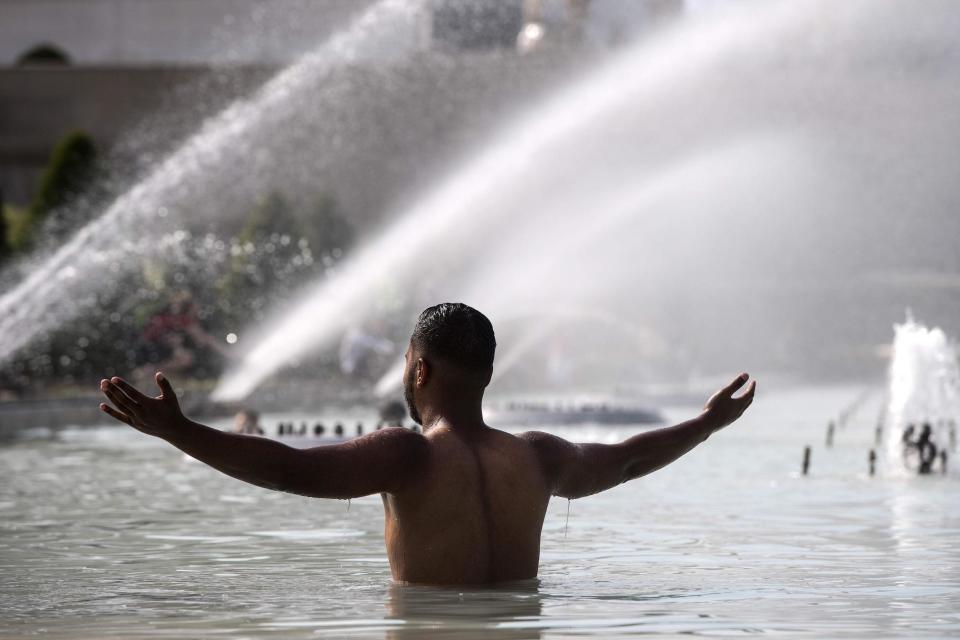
(472,514)
(463,503)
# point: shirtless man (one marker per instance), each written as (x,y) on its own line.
(463,503)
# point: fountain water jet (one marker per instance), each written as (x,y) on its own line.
(924,386)
(498,181)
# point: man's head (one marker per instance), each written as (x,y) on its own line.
(450,342)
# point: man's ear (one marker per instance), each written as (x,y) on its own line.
(422,372)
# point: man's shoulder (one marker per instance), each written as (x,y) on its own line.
(398,439)
(545,444)
(398,434)
(552,452)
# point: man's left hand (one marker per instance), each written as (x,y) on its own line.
(160,416)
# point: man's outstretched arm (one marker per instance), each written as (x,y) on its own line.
(578,470)
(379,462)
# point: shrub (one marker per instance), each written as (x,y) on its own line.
(69,173)
(17,226)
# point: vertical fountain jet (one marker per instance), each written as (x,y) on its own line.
(924,387)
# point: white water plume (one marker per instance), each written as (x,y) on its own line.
(67,282)
(509,176)
(833,128)
(924,386)
(529,274)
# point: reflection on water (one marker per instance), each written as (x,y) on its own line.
(108,533)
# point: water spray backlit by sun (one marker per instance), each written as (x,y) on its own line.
(516,283)
(509,177)
(67,282)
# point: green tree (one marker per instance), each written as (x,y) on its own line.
(69,173)
(17,225)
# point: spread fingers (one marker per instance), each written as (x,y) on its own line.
(118,398)
(113,413)
(135,396)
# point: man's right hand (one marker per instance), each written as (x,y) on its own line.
(160,416)
(722,408)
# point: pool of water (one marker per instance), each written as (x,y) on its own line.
(109,533)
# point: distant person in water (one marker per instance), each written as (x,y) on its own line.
(909,445)
(247,421)
(175,337)
(926,450)
(463,503)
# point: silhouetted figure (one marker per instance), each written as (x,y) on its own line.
(280,428)
(318,429)
(830,429)
(338,430)
(908,444)
(926,449)
(806,460)
(872,460)
(359,428)
(943,461)
(907,437)
(878,435)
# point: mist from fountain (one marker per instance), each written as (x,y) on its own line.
(507,181)
(776,71)
(924,387)
(699,183)
(221,159)
(523,286)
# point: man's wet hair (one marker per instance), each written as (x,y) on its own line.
(457,333)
